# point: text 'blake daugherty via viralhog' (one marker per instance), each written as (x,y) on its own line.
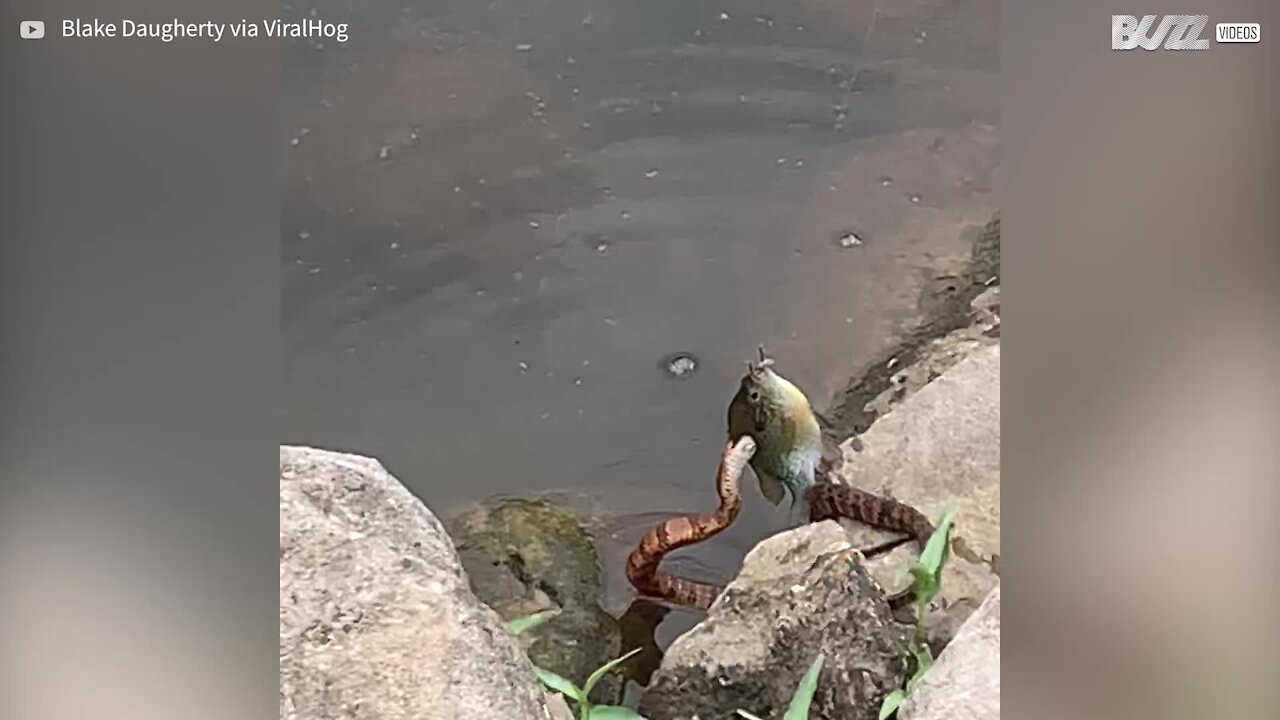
(169,31)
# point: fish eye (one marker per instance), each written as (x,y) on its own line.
(754,395)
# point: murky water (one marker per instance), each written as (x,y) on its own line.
(502,217)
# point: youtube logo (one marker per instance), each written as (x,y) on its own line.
(31,29)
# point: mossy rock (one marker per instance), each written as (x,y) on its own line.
(526,555)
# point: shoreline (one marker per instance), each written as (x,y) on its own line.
(946,308)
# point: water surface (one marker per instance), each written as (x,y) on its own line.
(500,217)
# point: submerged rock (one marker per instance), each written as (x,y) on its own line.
(800,594)
(376,617)
(526,555)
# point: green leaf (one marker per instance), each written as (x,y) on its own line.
(892,702)
(748,715)
(935,549)
(560,685)
(601,672)
(529,622)
(924,661)
(613,712)
(799,707)
(927,569)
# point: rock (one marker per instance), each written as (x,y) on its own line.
(524,555)
(800,593)
(959,327)
(941,445)
(984,266)
(376,618)
(936,356)
(986,311)
(964,684)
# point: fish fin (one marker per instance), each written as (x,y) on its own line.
(771,487)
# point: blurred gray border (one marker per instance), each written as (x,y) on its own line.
(139,369)
(1139,293)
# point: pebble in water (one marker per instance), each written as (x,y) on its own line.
(849,240)
(680,365)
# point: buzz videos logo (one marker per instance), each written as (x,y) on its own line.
(1175,32)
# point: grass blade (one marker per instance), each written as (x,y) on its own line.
(892,702)
(932,557)
(529,622)
(748,715)
(799,707)
(560,685)
(613,712)
(927,569)
(595,676)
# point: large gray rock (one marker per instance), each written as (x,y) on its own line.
(964,684)
(800,593)
(942,444)
(376,618)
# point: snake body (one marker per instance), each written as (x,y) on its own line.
(682,530)
(778,435)
(827,501)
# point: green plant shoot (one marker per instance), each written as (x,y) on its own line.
(800,702)
(926,574)
(525,624)
(579,695)
(802,699)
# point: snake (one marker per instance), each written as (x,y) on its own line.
(781,441)
(643,564)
